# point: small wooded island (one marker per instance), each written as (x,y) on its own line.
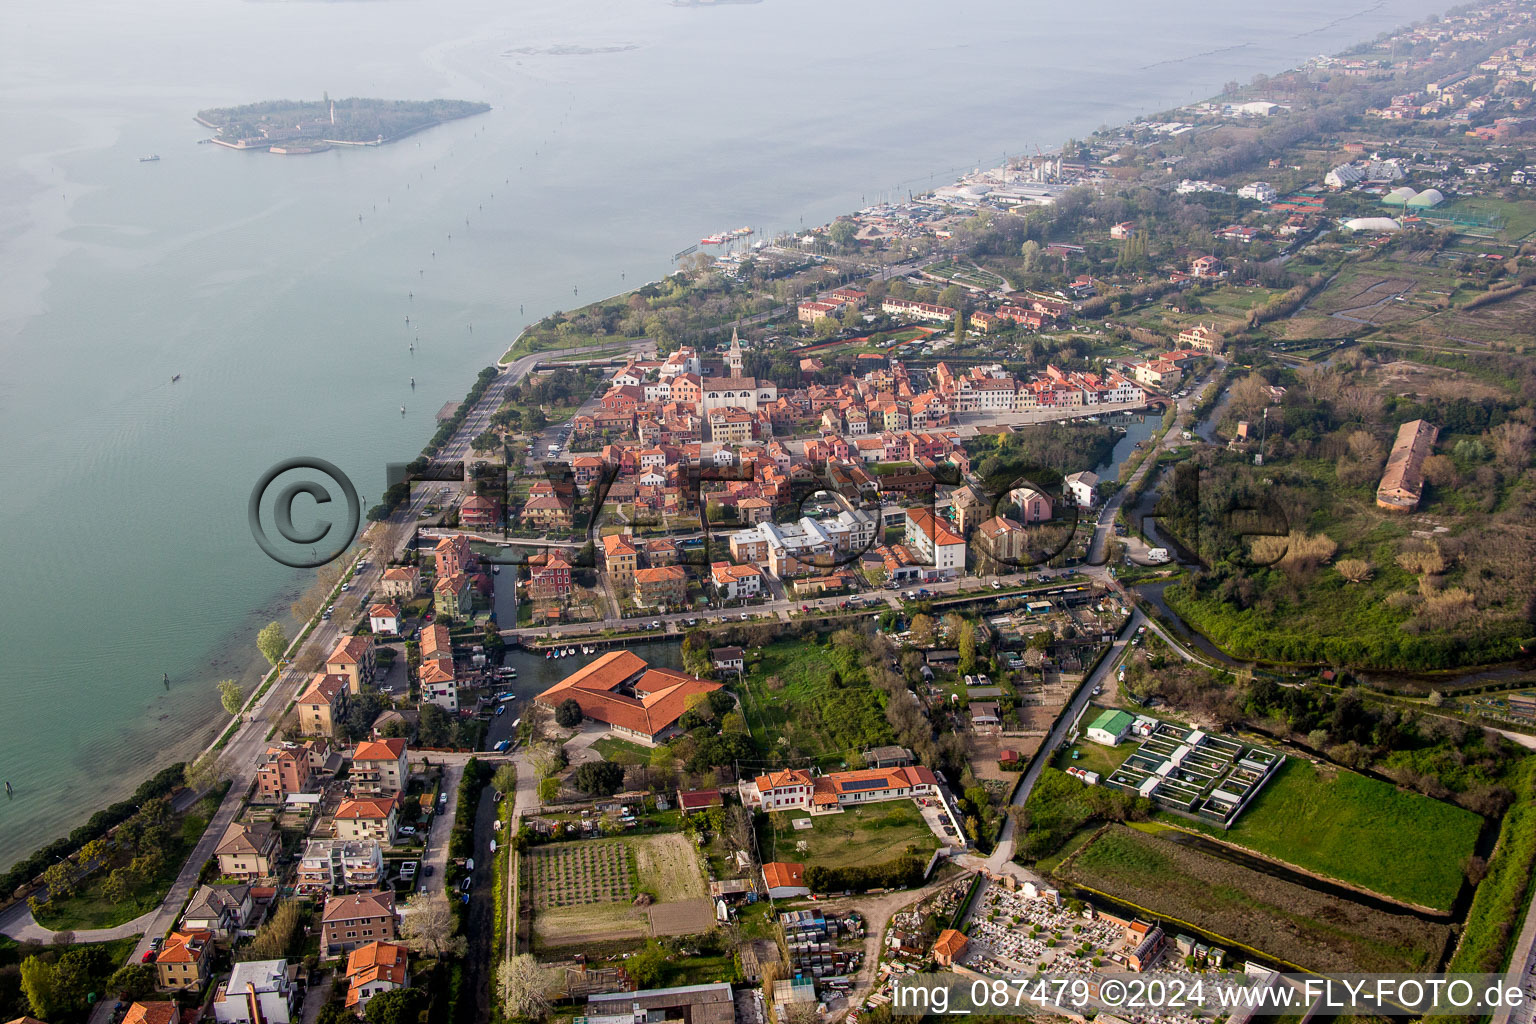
(311,126)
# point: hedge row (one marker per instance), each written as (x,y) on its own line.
(476,774)
(901,873)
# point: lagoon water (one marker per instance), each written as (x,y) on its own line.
(622,131)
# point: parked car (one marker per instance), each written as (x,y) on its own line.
(406,830)
(996,585)
(149,955)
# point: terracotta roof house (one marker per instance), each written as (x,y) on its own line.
(158,1012)
(453,595)
(320,707)
(384,618)
(247,851)
(380,767)
(1402,482)
(374,968)
(353,658)
(368,818)
(664,585)
(182,962)
(623,691)
(348,922)
(401,581)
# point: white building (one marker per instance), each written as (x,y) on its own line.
(257,992)
(931,539)
(1259,191)
(1080,488)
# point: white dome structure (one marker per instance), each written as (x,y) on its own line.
(1372,224)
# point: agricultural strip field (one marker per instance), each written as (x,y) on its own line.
(584,892)
(1358,830)
(860,835)
(1285,920)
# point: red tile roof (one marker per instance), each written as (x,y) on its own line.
(184,947)
(379,750)
(365,808)
(350,651)
(377,961)
(660,699)
(323,689)
(158,1012)
(780,873)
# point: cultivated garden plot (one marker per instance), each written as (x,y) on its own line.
(571,874)
(587,891)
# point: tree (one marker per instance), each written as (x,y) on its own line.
(278,936)
(133,981)
(967,647)
(428,926)
(922,630)
(549,789)
(40,984)
(505,779)
(599,778)
(646,966)
(231,696)
(523,986)
(335,1013)
(119,885)
(204,773)
(568,713)
(396,1006)
(272,642)
(59,880)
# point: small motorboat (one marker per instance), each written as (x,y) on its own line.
(548,655)
(176,378)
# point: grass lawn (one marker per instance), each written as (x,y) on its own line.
(858,836)
(622,751)
(1358,830)
(1095,757)
(91,908)
(1247,907)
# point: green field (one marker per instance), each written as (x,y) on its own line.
(1094,757)
(1246,907)
(856,837)
(790,693)
(1358,830)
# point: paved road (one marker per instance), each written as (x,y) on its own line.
(238,757)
